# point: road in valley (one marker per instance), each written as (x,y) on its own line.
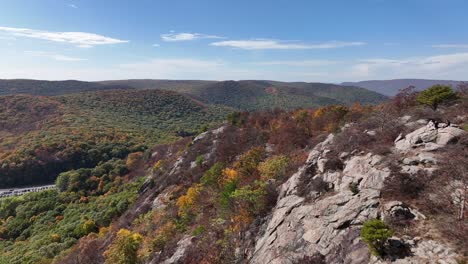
(21,191)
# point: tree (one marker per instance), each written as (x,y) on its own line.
(375,233)
(124,248)
(436,95)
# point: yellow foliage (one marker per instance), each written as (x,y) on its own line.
(55,238)
(103,231)
(186,203)
(230,175)
(158,165)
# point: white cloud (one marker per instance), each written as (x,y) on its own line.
(451,46)
(447,66)
(73,6)
(79,39)
(268,44)
(186,36)
(156,45)
(54,56)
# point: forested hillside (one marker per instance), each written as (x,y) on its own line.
(43,136)
(262,95)
(242,95)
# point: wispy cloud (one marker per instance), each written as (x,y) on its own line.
(79,39)
(446,66)
(73,6)
(54,56)
(268,44)
(451,46)
(186,36)
(156,45)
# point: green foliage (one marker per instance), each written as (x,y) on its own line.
(225,195)
(198,230)
(436,95)
(88,180)
(199,160)
(253,196)
(354,187)
(212,176)
(375,233)
(44,224)
(274,167)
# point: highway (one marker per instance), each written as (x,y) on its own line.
(21,191)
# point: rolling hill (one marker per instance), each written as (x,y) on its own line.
(391,87)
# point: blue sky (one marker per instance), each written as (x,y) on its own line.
(306,40)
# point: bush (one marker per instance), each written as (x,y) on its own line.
(375,233)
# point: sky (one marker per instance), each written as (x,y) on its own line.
(284,40)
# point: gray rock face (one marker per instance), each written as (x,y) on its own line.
(182,247)
(330,223)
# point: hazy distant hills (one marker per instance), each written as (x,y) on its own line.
(242,95)
(391,87)
(37,87)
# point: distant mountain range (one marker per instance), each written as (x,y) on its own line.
(51,88)
(391,87)
(242,95)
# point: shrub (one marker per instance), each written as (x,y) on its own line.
(124,248)
(90,227)
(354,187)
(436,95)
(274,167)
(212,176)
(375,234)
(199,160)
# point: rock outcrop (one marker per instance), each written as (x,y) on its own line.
(430,137)
(327,222)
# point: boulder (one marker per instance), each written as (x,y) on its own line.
(428,137)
